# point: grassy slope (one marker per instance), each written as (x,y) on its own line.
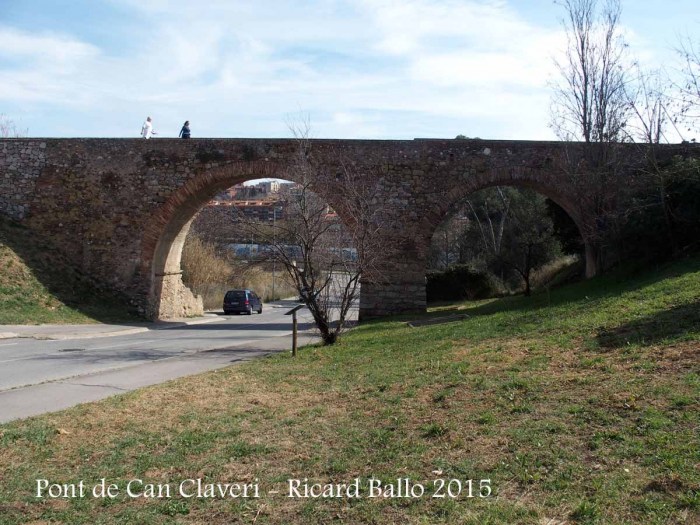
(37,286)
(582,407)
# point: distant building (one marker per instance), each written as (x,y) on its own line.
(261,210)
(264,201)
(269,187)
(261,190)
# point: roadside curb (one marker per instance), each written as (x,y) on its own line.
(164,325)
(66,332)
(62,333)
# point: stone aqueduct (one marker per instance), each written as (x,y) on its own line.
(120,209)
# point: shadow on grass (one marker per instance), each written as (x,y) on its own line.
(611,285)
(62,279)
(675,323)
(623,280)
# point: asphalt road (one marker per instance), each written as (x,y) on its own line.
(37,376)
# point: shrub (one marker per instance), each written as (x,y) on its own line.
(461,282)
(260,280)
(206,272)
(664,220)
(210,274)
(561,270)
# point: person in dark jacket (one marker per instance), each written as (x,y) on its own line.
(185,131)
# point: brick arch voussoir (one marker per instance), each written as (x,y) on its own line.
(545,183)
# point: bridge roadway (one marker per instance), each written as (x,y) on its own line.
(44,375)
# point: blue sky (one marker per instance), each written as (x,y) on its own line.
(374,69)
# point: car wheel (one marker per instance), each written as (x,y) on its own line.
(260,311)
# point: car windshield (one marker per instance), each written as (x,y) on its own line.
(234,295)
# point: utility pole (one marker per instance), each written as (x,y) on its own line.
(274,259)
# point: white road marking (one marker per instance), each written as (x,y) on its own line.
(9,344)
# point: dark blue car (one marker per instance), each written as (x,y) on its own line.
(242,302)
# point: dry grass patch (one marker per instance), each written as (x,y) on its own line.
(567,429)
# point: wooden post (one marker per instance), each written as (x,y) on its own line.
(294,334)
(293,313)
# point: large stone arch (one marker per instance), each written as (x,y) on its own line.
(164,235)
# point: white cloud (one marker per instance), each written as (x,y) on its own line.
(47,67)
(236,68)
(409,26)
(480,69)
(49,48)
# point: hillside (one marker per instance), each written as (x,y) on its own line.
(582,406)
(38,286)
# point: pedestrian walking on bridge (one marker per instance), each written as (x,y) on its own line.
(147,129)
(185,131)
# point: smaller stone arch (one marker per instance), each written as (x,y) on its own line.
(540,181)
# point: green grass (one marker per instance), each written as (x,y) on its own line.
(38,286)
(581,407)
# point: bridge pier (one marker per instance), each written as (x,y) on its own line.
(401,290)
(592,260)
(171,299)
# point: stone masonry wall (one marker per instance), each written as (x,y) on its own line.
(119,208)
(21,163)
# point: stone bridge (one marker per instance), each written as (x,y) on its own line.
(120,209)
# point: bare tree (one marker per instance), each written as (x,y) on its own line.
(650,107)
(650,103)
(324,256)
(590,102)
(689,87)
(591,105)
(660,203)
(8,128)
(475,227)
(447,247)
(492,234)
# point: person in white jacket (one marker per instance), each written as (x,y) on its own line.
(147,129)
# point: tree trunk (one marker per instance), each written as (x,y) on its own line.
(526,274)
